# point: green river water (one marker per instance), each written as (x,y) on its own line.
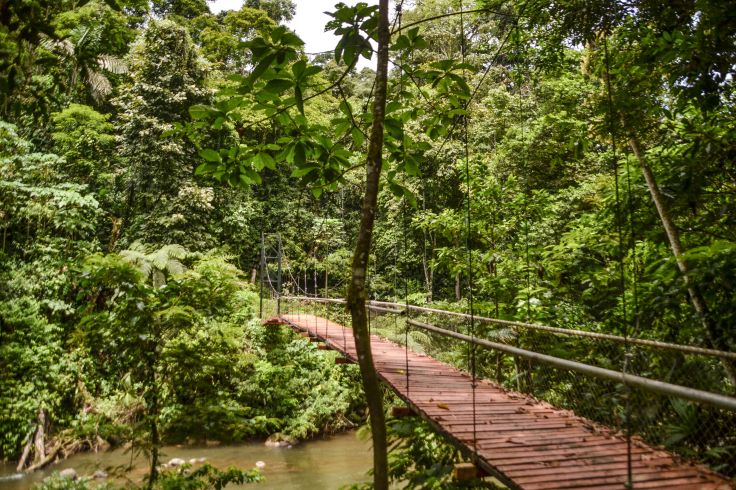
(315,465)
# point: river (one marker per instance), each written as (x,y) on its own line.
(322,464)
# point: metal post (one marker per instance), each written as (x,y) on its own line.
(263,268)
(278,279)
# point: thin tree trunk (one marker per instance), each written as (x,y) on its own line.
(155,439)
(714,334)
(114,233)
(425,260)
(46,460)
(357,293)
(128,211)
(26,450)
(39,440)
(458,287)
(425,268)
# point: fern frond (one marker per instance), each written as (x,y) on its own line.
(502,334)
(139,246)
(178,314)
(175,251)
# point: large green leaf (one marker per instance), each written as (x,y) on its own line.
(210,155)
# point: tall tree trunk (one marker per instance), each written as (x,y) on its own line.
(357,293)
(713,332)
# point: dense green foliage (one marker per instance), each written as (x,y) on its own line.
(145,146)
(124,315)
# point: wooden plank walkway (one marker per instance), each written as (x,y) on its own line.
(525,443)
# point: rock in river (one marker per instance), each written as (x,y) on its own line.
(280,440)
(69,473)
(175,462)
(99,474)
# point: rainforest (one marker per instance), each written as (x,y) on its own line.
(215,239)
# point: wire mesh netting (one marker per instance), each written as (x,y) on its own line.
(694,430)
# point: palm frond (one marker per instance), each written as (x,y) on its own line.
(158,278)
(174,267)
(138,259)
(113,64)
(99,85)
(63,47)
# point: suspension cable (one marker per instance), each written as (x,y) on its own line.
(525,204)
(406,303)
(525,165)
(463,49)
(622,271)
(404,250)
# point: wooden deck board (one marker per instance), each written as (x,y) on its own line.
(526,443)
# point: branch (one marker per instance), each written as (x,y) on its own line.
(342,174)
(477,87)
(401,67)
(316,94)
(452,14)
(352,119)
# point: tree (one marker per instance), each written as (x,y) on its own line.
(279,87)
(357,292)
(84,137)
(47,224)
(187,9)
(279,10)
(159,191)
(221,38)
(90,41)
(642,56)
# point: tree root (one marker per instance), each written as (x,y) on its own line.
(45,461)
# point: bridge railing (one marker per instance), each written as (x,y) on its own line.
(670,395)
(666,394)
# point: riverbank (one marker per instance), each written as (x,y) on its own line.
(326,463)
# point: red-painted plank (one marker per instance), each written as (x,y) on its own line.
(529,443)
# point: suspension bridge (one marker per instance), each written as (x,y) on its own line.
(522,441)
(561,419)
